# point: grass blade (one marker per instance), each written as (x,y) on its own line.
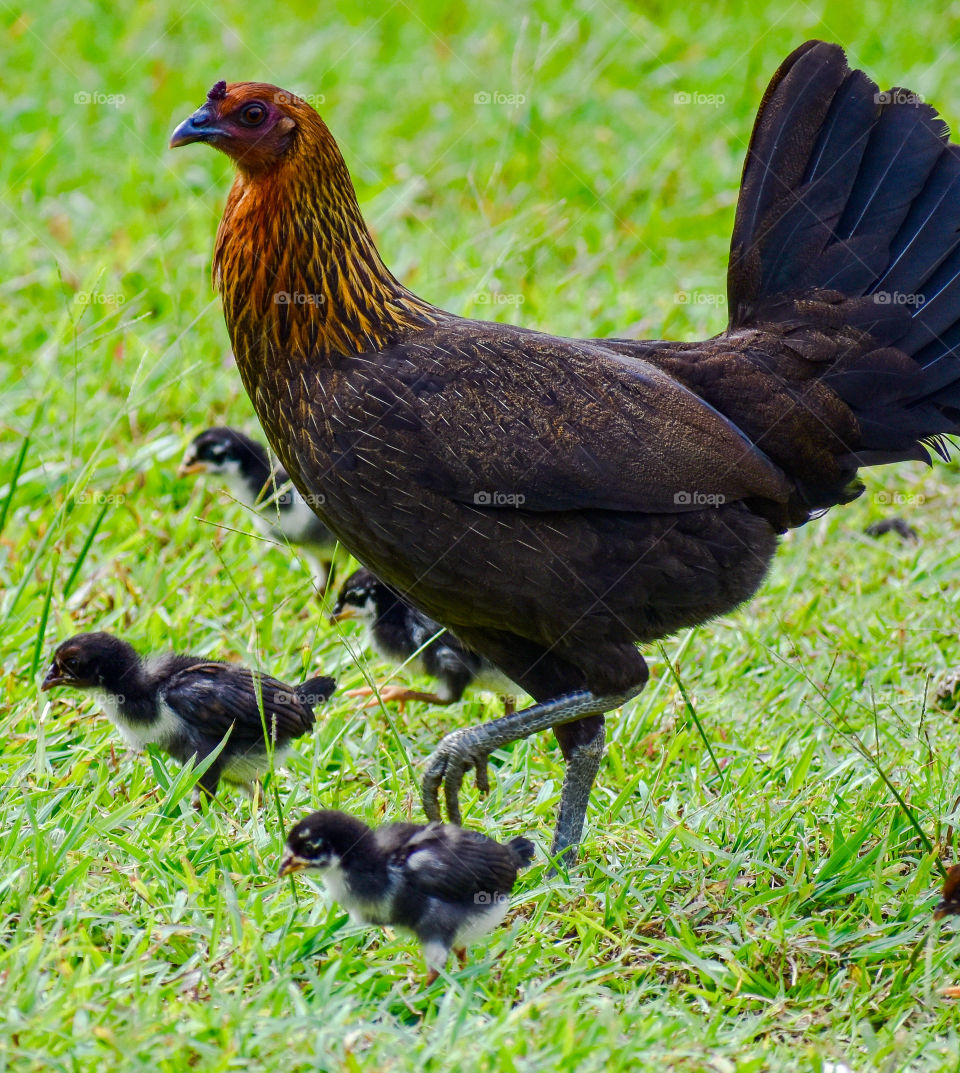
(14,478)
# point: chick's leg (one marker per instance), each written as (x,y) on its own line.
(435,953)
(394,694)
(205,788)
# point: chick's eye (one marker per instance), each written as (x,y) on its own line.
(253,115)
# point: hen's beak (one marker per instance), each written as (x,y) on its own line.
(200,127)
(343,614)
(290,864)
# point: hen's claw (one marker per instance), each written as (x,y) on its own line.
(483,774)
(452,759)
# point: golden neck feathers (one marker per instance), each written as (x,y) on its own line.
(297,268)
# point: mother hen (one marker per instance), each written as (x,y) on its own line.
(554,501)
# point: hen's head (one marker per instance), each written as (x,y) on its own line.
(254,123)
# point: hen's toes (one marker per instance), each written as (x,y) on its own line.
(454,756)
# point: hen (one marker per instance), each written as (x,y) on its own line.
(552,501)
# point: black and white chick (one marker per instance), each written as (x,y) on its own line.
(278,510)
(186,705)
(447,885)
(400,633)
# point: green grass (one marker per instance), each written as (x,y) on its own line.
(764,908)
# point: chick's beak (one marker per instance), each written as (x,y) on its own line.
(290,864)
(200,127)
(189,466)
(54,678)
(343,613)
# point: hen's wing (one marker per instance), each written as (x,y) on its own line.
(492,415)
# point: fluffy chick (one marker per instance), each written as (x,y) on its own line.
(446,885)
(187,705)
(400,633)
(277,508)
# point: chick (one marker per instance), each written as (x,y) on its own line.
(400,633)
(187,705)
(446,885)
(277,508)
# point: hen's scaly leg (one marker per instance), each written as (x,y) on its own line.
(470,748)
(582,747)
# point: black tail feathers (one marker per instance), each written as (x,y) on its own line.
(849,217)
(523,849)
(316,690)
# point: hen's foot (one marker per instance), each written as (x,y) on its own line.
(463,750)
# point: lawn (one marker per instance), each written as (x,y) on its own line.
(762,853)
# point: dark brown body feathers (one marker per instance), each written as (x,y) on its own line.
(587,495)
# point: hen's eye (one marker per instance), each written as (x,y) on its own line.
(253,115)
